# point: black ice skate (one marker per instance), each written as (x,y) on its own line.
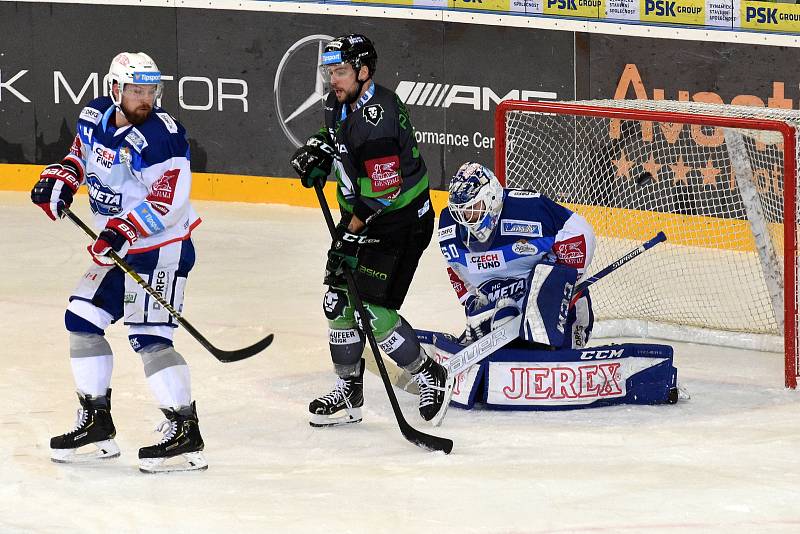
(92,427)
(435,391)
(347,396)
(181,441)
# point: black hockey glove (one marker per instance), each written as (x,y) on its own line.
(342,254)
(313,161)
(55,188)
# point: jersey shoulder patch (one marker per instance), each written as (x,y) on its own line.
(136,139)
(522,193)
(93,111)
(90,114)
(169,122)
(447,232)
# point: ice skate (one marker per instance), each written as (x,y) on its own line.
(435,391)
(180,449)
(94,430)
(342,405)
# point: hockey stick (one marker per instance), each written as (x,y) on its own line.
(225,356)
(647,245)
(500,337)
(418,438)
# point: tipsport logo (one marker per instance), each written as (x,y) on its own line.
(146,77)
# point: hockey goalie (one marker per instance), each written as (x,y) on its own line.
(514,258)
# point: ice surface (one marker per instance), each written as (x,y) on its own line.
(725,461)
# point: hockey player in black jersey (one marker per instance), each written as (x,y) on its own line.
(386,223)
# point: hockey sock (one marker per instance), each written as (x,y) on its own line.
(167,375)
(346,346)
(401,344)
(91,360)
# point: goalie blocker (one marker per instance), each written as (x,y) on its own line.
(526,379)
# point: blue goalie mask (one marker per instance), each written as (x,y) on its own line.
(475,200)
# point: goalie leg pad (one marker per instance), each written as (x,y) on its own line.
(546,305)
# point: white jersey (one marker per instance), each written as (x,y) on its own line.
(140,173)
(531,229)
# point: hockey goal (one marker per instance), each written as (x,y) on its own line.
(719,180)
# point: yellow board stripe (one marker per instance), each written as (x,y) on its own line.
(636,225)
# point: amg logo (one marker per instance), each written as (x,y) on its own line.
(445,95)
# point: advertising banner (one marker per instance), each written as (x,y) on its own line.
(622,9)
(770,16)
(575,8)
(690,12)
(248,100)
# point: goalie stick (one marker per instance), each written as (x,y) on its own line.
(500,337)
(418,438)
(225,356)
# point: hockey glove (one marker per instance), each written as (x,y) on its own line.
(342,254)
(313,161)
(55,188)
(479,317)
(117,236)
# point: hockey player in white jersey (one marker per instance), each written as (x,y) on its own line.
(512,252)
(133,158)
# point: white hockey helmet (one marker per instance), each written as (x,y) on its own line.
(475,200)
(134,68)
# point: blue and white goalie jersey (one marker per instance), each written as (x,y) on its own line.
(136,172)
(531,228)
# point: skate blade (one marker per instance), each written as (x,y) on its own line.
(105,450)
(448,394)
(190,461)
(351,415)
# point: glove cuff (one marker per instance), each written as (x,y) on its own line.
(62,173)
(124,228)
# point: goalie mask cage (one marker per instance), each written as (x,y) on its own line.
(719,180)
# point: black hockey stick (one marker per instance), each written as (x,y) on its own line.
(420,439)
(647,245)
(225,356)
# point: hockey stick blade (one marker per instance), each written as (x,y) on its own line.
(417,437)
(225,356)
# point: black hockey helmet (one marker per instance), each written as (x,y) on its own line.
(352,48)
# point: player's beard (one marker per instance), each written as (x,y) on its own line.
(138,114)
(348,96)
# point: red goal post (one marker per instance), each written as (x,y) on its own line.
(719,180)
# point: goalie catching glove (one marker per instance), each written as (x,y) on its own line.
(313,161)
(56,186)
(117,236)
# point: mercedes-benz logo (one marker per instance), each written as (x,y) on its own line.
(317,96)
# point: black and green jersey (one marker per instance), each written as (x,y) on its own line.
(381,177)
